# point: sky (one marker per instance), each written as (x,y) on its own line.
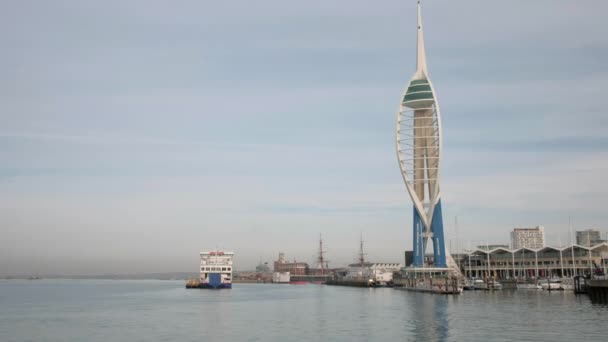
(134,134)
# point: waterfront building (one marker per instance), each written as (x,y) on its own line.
(533,238)
(294,268)
(281,277)
(418,143)
(546,262)
(262,268)
(490,247)
(589,237)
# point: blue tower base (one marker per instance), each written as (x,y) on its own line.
(438,238)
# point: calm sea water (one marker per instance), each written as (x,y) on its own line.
(119,310)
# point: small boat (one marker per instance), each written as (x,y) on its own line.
(468,285)
(528,286)
(494,285)
(480,284)
(568,284)
(551,284)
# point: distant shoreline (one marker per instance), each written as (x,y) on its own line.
(137,276)
(143,276)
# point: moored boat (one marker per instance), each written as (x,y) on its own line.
(480,284)
(468,285)
(528,286)
(555,284)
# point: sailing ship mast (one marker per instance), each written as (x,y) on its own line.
(322,264)
(361,256)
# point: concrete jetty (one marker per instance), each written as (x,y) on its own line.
(351,282)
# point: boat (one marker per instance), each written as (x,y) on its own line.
(480,284)
(468,285)
(554,285)
(495,285)
(216,270)
(568,284)
(528,286)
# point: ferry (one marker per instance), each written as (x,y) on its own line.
(216,270)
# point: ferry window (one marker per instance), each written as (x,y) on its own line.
(223,268)
(229,269)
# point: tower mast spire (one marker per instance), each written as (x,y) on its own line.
(421,72)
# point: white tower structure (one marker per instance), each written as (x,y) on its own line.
(418,140)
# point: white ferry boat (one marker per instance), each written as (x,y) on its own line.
(216,270)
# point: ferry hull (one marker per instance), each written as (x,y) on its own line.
(218,286)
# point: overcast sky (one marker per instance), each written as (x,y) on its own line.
(134,134)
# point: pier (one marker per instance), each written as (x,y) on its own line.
(430,280)
(598,290)
(352,282)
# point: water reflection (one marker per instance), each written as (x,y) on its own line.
(429,317)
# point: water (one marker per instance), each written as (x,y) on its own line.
(118,310)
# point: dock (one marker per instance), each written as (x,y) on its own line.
(429,280)
(351,282)
(444,285)
(598,290)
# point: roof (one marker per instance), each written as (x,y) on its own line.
(478,251)
(370,264)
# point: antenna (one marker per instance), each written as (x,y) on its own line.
(361,254)
(571,246)
(457,241)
